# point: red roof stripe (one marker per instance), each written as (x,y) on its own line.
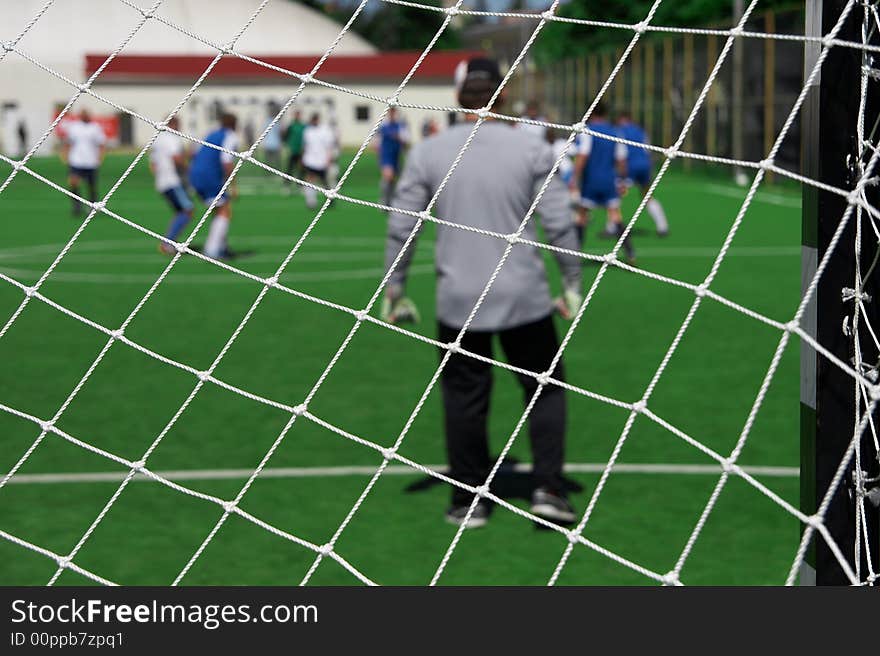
(437,65)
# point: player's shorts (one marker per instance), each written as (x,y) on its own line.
(600,197)
(640,176)
(209,192)
(89,175)
(321,174)
(178,199)
(390,163)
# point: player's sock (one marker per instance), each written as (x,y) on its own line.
(311,197)
(216,242)
(655,209)
(387,187)
(177,225)
(77,206)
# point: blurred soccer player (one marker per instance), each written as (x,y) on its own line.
(638,169)
(294,139)
(492,188)
(83,151)
(533,113)
(208,172)
(597,166)
(167,160)
(272,141)
(393,139)
(319,144)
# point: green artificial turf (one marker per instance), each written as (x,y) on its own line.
(398,535)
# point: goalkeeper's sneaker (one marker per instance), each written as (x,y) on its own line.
(552,506)
(456,515)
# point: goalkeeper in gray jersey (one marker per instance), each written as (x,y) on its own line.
(492,188)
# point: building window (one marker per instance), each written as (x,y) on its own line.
(362,113)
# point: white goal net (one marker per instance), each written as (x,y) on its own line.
(855,472)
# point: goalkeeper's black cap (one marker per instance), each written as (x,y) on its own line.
(476,81)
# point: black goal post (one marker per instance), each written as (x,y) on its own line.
(830,401)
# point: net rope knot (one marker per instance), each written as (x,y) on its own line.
(300,409)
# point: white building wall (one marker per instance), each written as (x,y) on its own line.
(70,29)
(250,104)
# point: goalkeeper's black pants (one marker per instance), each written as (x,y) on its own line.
(467,385)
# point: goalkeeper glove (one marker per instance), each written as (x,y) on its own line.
(399,310)
(569,303)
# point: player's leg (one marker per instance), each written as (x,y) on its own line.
(532,347)
(386,183)
(582,219)
(183,209)
(610,199)
(315,177)
(615,223)
(289,169)
(91,176)
(215,245)
(466,385)
(73,180)
(655,209)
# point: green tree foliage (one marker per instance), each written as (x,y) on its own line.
(561,40)
(390,26)
(397,27)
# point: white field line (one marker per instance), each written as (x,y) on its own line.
(398,470)
(137,245)
(770,198)
(26,255)
(210,278)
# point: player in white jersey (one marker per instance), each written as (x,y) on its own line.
(167,160)
(319,146)
(83,152)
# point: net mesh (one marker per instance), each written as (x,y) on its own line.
(859,210)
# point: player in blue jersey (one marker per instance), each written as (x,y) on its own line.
(599,163)
(208,172)
(393,139)
(638,165)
